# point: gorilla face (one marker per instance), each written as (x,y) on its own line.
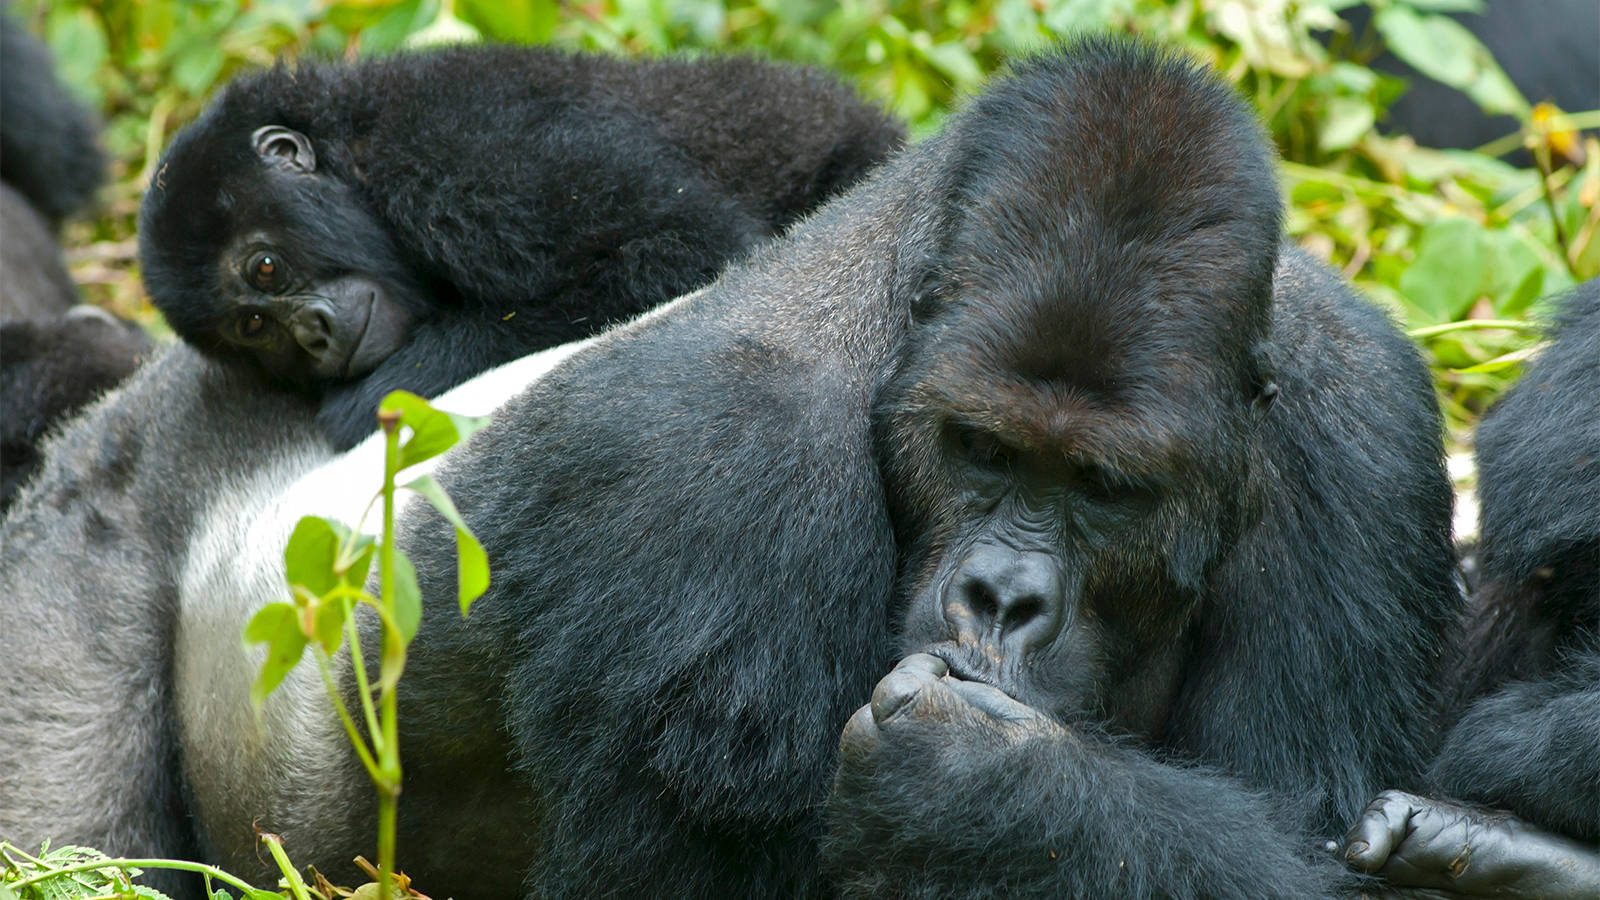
(304,281)
(1066,439)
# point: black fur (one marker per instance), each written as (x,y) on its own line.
(1530,664)
(91,556)
(1513,799)
(33,278)
(47,138)
(49,368)
(695,571)
(506,199)
(697,527)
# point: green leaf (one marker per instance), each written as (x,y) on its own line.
(407,609)
(1347,120)
(433,431)
(386,34)
(956,63)
(328,624)
(1444,50)
(312,554)
(1452,269)
(278,626)
(1436,46)
(472,564)
(79,46)
(529,22)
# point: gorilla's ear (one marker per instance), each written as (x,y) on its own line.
(280,146)
(1264,383)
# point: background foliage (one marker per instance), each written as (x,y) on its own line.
(1458,244)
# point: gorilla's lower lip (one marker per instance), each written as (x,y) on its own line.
(964,667)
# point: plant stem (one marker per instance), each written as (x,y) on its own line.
(125,863)
(393,654)
(1472,325)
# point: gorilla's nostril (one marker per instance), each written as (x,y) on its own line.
(1020,612)
(981,600)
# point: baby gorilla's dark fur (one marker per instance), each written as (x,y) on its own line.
(51,368)
(411,221)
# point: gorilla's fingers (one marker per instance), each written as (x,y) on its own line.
(1379,831)
(994,702)
(914,674)
(860,739)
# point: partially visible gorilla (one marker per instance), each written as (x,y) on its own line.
(1525,692)
(352,243)
(1550,50)
(1042,398)
(50,166)
(50,368)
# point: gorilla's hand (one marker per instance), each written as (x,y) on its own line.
(1419,842)
(919,706)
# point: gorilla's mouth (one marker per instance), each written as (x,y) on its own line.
(968,665)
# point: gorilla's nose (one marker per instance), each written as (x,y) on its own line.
(1014,599)
(313,329)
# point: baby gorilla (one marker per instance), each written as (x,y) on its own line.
(411,221)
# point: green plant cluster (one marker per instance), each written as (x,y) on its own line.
(1458,244)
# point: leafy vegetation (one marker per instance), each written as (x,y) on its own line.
(1445,238)
(1457,244)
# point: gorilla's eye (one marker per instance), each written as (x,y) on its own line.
(1103,485)
(267,273)
(982,448)
(251,326)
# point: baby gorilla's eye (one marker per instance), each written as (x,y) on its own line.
(251,327)
(268,273)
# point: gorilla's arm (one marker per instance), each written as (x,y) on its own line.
(1533,748)
(950,788)
(1422,843)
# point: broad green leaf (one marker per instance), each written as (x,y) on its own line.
(1347,120)
(1444,50)
(311,556)
(433,431)
(278,626)
(472,564)
(956,62)
(1436,46)
(528,22)
(386,34)
(1451,271)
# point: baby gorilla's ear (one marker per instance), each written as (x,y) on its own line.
(280,146)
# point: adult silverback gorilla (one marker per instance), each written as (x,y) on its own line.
(408,222)
(1041,373)
(1525,746)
